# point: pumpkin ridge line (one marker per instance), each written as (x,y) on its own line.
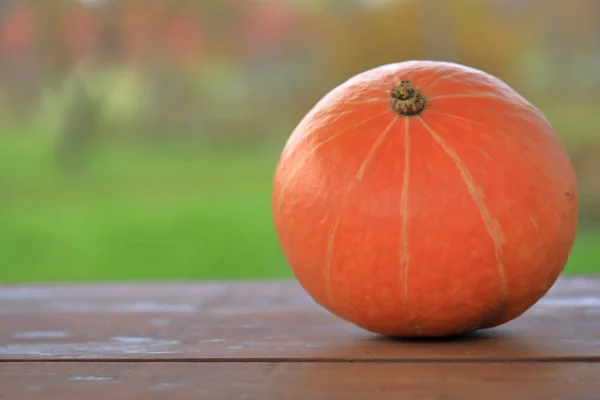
(346,113)
(474,122)
(468,96)
(377,144)
(430,80)
(355,181)
(303,160)
(492,226)
(366,101)
(468,120)
(404,253)
(440,78)
(491,96)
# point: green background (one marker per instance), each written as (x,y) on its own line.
(168,211)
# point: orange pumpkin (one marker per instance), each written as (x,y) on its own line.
(425,199)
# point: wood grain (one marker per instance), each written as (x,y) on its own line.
(291,381)
(258,321)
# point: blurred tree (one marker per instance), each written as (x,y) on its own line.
(184,37)
(88,35)
(81,26)
(398,30)
(375,35)
(80,126)
(19,60)
(18,28)
(586,160)
(141,23)
(52,47)
(438,30)
(4,6)
(488,41)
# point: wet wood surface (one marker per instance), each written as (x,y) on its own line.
(269,340)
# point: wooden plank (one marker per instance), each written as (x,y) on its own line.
(265,321)
(290,381)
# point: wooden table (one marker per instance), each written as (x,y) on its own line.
(270,341)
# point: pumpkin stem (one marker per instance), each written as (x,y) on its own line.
(407,100)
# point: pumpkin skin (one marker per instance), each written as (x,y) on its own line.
(456,218)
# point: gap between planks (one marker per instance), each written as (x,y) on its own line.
(301,360)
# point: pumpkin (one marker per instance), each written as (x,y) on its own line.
(425,198)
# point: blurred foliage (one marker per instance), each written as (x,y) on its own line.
(138,137)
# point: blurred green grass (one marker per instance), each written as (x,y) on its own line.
(162,211)
(139,212)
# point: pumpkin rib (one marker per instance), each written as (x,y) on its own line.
(298,166)
(467,120)
(404,254)
(440,79)
(366,101)
(471,121)
(534,222)
(430,78)
(301,140)
(467,96)
(492,226)
(355,181)
(490,96)
(383,91)
(493,314)
(427,80)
